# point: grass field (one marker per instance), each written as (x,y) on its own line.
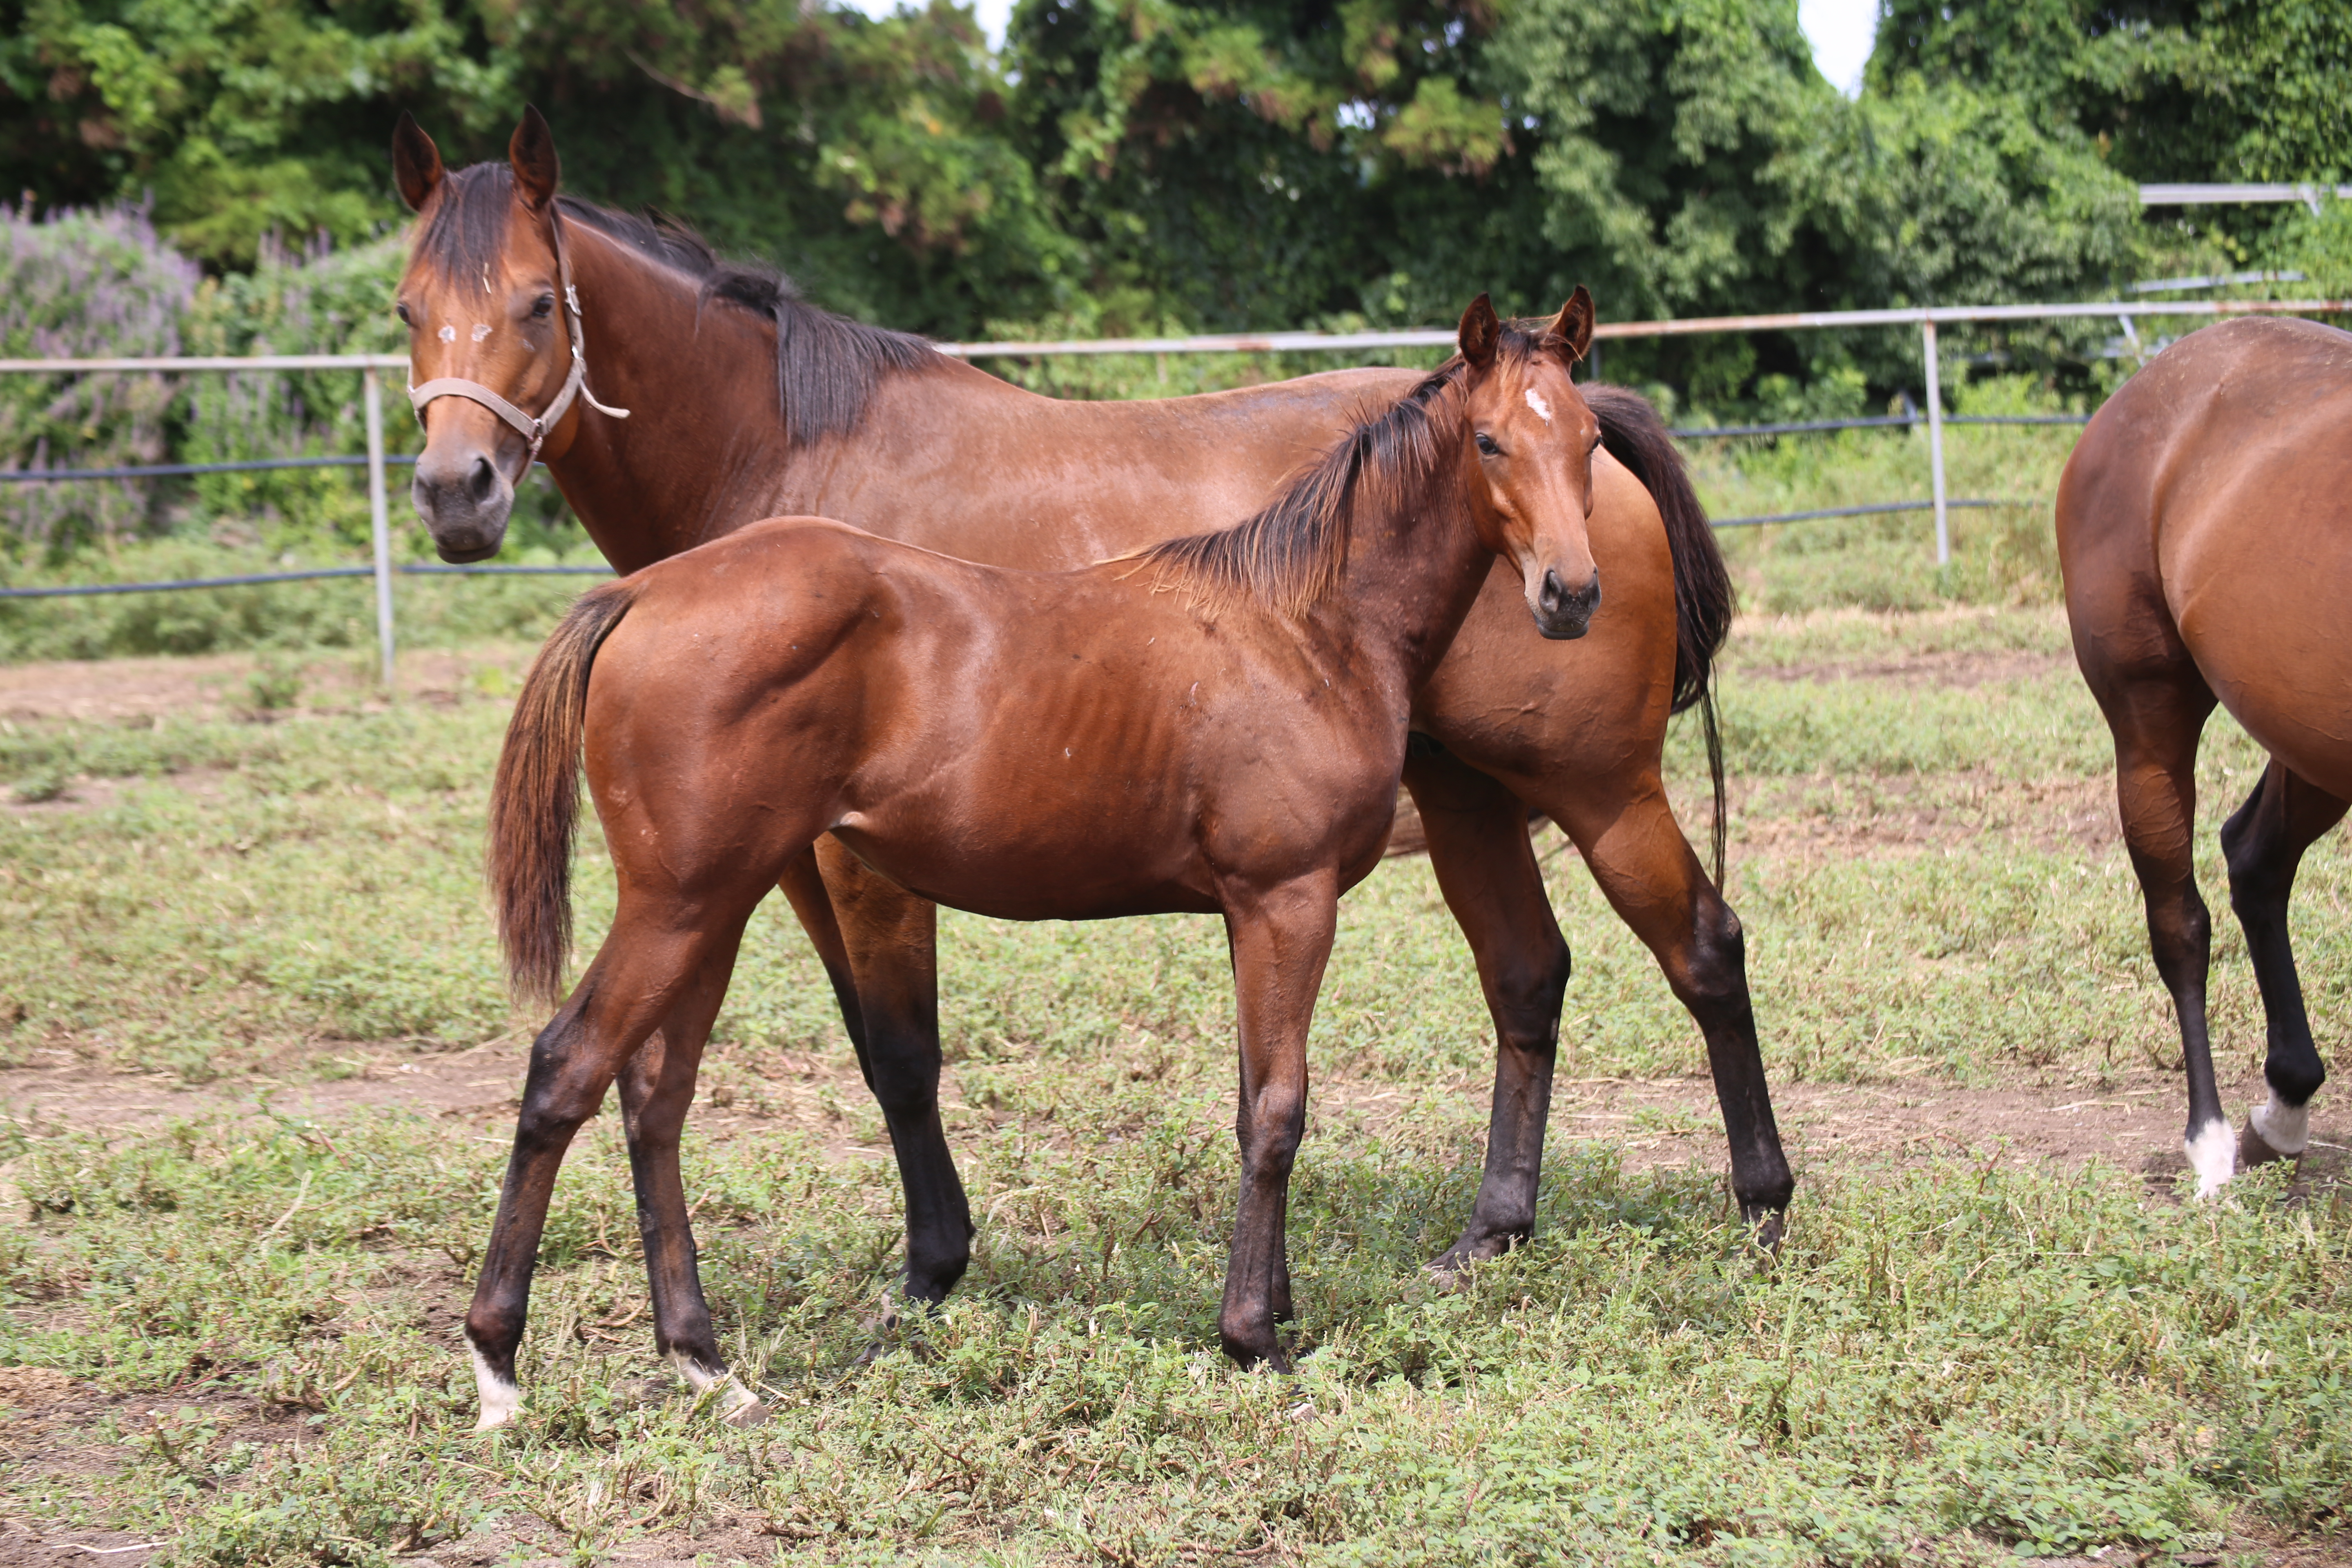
(261,1073)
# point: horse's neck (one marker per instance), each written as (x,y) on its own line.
(702,451)
(1413,572)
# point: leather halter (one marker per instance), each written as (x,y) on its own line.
(533,429)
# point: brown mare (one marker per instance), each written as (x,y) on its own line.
(2205,527)
(746,403)
(1216,725)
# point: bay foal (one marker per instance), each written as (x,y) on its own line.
(1214,724)
(2205,529)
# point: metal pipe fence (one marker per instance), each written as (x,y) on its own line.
(377,460)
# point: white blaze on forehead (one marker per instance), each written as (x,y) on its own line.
(481,330)
(1536,402)
(447,334)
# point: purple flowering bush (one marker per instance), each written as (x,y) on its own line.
(90,284)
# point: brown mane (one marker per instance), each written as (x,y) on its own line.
(826,365)
(1291,554)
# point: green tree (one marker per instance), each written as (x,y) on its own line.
(1265,162)
(2174,90)
(1260,163)
(863,155)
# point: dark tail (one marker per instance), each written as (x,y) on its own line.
(1636,437)
(535,803)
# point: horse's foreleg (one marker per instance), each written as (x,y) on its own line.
(2264,842)
(656,1090)
(890,937)
(1477,837)
(626,992)
(2157,720)
(1645,869)
(1281,941)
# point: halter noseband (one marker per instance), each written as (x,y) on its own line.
(533,429)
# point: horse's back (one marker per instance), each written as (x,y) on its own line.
(2205,517)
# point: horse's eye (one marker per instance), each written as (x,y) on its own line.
(1487,446)
(543,307)
(402,311)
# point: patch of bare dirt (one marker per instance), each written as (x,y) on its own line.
(1955,672)
(1901,814)
(819,1093)
(2133,1119)
(2136,1122)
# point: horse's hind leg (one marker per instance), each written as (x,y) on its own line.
(1477,837)
(656,1090)
(1644,866)
(891,938)
(2157,713)
(803,888)
(635,983)
(2264,842)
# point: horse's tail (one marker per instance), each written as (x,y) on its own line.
(535,802)
(1637,438)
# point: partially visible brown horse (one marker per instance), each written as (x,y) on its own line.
(1216,725)
(2205,528)
(745,402)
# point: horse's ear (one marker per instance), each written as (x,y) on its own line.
(1570,332)
(415,162)
(1481,332)
(532,151)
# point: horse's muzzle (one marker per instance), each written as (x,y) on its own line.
(1562,613)
(463,501)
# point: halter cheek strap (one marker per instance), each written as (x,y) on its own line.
(533,428)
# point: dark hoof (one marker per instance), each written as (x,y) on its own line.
(1450,1269)
(1252,1354)
(1767,1230)
(2252,1151)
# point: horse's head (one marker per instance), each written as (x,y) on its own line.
(483,300)
(1530,466)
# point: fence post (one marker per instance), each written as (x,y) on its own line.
(380,525)
(1936,441)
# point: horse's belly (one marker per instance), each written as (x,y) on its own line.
(1033,865)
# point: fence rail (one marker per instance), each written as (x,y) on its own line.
(1927,319)
(174,470)
(305,574)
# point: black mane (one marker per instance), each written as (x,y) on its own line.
(826,365)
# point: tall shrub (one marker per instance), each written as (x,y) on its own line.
(313,301)
(95,284)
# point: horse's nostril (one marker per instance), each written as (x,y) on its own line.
(484,480)
(1553,592)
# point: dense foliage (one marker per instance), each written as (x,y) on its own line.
(1216,162)
(2173,90)
(1140,166)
